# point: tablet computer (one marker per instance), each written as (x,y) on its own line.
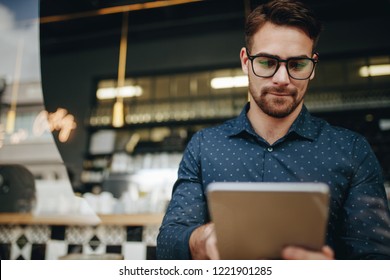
(257,220)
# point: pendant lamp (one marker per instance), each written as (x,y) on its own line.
(11,114)
(118,118)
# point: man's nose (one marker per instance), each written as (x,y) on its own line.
(281,76)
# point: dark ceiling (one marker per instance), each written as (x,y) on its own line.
(84,30)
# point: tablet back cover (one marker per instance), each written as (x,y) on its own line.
(256,220)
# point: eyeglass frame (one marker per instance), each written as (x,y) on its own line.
(253,57)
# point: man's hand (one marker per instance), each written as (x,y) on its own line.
(203,246)
(297,253)
(203,243)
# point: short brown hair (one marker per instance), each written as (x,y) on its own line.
(283,12)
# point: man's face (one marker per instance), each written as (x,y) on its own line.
(280,95)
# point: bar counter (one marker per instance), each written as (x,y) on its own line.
(112,219)
(25,236)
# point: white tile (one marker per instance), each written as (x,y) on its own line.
(149,235)
(134,251)
(5,234)
(25,251)
(38,234)
(78,235)
(56,249)
(9,233)
(111,235)
(87,250)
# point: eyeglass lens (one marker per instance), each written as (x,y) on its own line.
(298,68)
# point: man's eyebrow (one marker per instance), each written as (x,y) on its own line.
(276,56)
(267,54)
(300,56)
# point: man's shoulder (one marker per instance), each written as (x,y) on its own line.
(211,135)
(223,129)
(334,130)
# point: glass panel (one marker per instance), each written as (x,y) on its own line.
(223,89)
(353,67)
(146,85)
(203,83)
(380,60)
(183,85)
(188,96)
(162,87)
(330,74)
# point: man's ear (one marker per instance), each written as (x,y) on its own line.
(244,60)
(316,57)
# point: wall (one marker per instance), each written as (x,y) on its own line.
(68,79)
(49,242)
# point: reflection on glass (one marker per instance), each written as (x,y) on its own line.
(28,143)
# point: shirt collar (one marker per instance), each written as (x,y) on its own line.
(302,126)
(241,123)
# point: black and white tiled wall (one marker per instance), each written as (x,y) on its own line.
(40,242)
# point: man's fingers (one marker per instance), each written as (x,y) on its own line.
(328,252)
(211,246)
(296,253)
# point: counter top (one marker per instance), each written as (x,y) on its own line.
(112,219)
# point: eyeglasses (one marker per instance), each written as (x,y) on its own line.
(298,68)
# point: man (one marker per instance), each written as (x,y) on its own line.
(275,139)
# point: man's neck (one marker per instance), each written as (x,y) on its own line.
(271,128)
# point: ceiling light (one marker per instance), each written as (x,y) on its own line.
(229,82)
(124,92)
(374,70)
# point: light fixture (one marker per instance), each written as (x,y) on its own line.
(229,82)
(11,114)
(124,92)
(375,70)
(118,118)
(116,10)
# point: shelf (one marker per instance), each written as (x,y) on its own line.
(91,183)
(113,219)
(185,123)
(132,219)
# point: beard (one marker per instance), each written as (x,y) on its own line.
(274,105)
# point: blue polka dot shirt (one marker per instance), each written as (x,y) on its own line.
(311,151)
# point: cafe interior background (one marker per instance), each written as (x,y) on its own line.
(99,98)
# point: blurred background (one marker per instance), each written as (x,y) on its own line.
(124,85)
(175,52)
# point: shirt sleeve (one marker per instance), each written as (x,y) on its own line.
(187,209)
(365,222)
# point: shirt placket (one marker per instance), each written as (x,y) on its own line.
(269,164)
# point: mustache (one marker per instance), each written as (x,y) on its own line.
(266,90)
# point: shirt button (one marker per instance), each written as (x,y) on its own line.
(270,149)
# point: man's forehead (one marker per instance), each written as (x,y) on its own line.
(271,38)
